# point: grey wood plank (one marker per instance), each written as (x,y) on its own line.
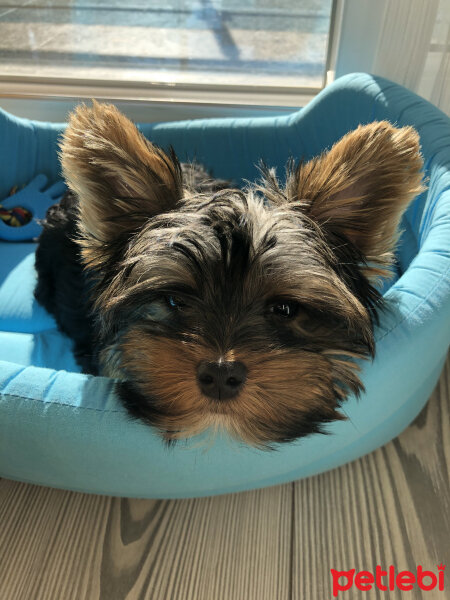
(390,507)
(59,544)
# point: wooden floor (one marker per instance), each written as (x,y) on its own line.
(391,507)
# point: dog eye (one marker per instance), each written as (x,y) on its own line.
(175,303)
(287,309)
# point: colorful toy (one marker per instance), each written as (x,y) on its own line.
(17,216)
(22,210)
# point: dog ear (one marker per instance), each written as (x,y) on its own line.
(360,188)
(120,178)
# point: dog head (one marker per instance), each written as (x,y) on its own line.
(236,309)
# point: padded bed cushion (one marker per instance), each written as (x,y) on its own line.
(61,428)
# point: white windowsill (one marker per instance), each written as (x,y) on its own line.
(50,99)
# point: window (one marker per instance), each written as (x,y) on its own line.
(193,44)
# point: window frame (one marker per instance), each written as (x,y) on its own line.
(50,98)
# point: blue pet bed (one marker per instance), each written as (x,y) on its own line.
(68,430)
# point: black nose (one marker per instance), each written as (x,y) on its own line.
(221,380)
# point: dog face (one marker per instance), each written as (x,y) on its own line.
(242,310)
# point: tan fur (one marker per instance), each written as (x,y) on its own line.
(106,161)
(361,187)
(280,386)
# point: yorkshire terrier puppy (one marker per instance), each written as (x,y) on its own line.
(242,309)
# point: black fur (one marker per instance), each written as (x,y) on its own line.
(63,283)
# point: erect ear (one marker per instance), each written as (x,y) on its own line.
(360,188)
(120,178)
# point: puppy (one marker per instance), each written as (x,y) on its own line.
(213,307)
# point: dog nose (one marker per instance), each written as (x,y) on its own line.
(221,380)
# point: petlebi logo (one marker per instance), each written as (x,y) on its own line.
(388,580)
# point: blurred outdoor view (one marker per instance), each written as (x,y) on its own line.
(258,42)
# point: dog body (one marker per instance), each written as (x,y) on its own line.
(216,307)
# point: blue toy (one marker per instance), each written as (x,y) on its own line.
(36,198)
(61,428)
